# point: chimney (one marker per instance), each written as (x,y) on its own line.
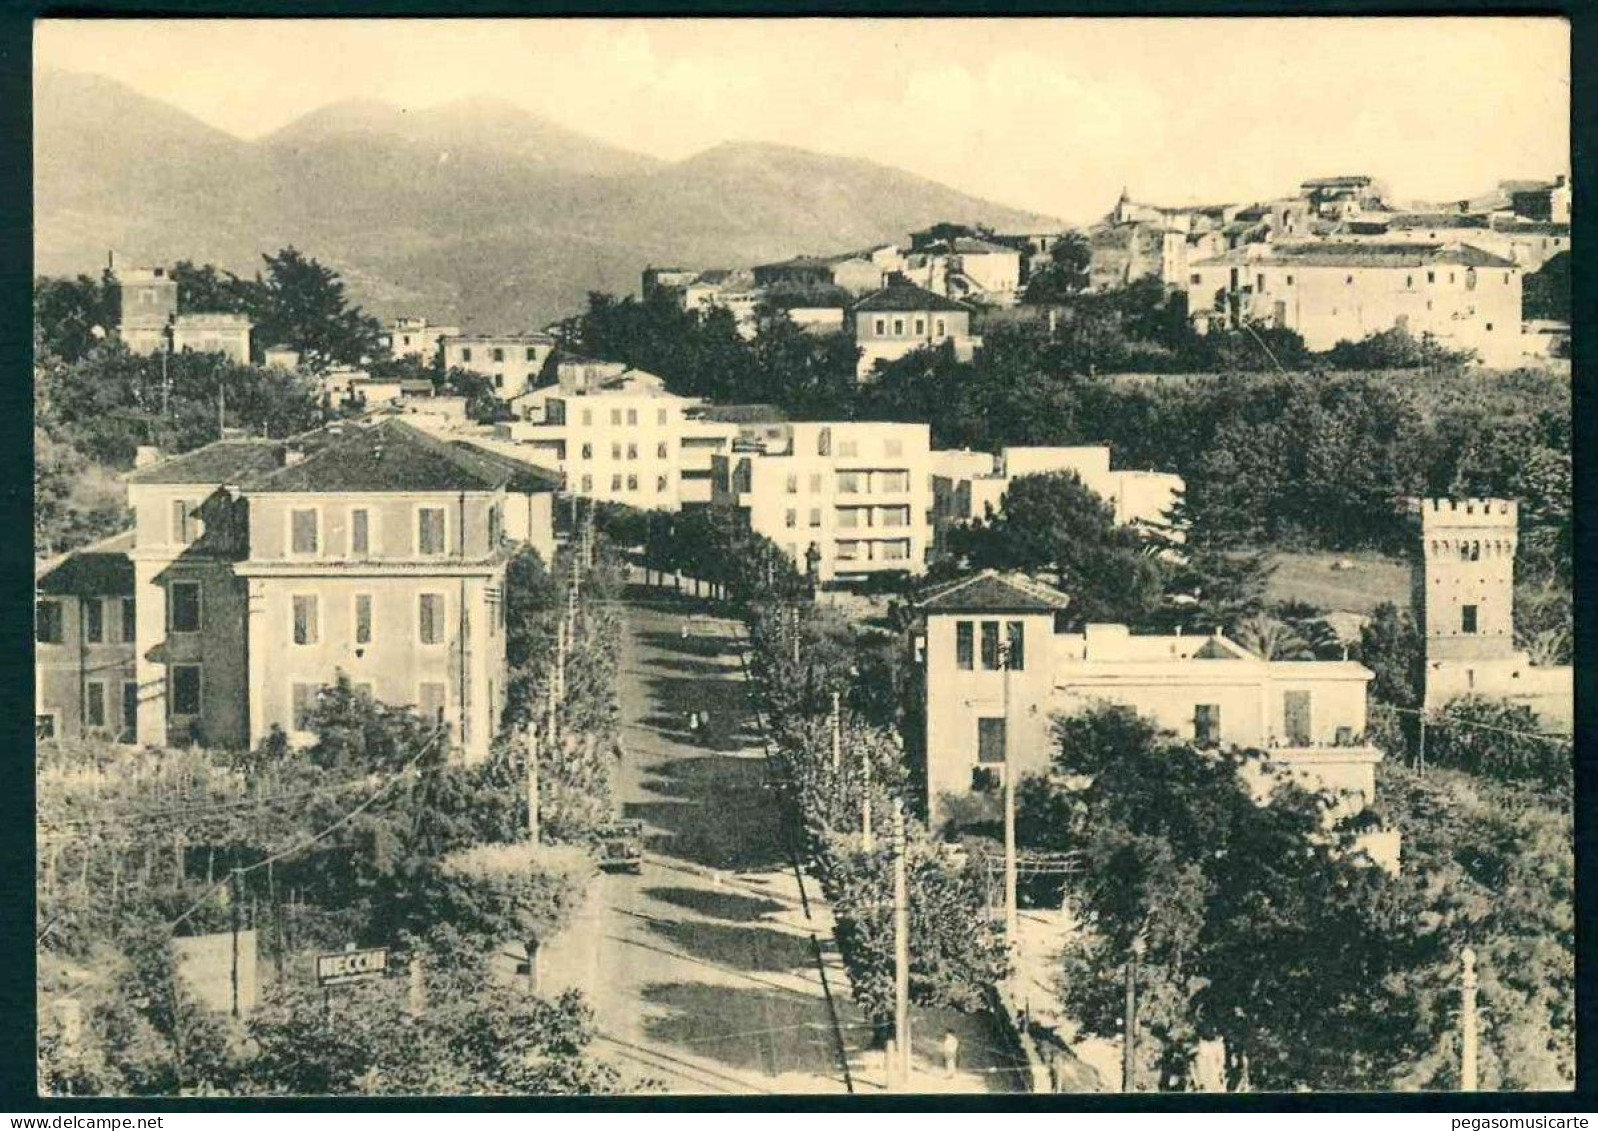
(146,454)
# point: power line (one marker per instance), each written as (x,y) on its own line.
(1438,719)
(220,807)
(345,819)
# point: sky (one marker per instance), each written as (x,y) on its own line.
(1052,115)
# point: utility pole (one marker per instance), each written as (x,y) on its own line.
(1012,917)
(867,843)
(901,947)
(236,891)
(553,728)
(1467,1021)
(532,782)
(1129,1034)
(837,736)
(1420,755)
(561,631)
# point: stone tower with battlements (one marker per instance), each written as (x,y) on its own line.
(1464,592)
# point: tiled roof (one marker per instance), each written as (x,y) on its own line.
(389,456)
(99,570)
(970,245)
(1517,226)
(226,461)
(1526,186)
(907,296)
(788,297)
(993,591)
(1345,181)
(797,261)
(524,477)
(742,413)
(1331,253)
(1437,220)
(515,336)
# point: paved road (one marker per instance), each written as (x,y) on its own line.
(702,971)
(709,973)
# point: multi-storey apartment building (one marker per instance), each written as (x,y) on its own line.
(996,668)
(859,493)
(1331,291)
(258,570)
(617,434)
(514,362)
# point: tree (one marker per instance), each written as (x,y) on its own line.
(955,951)
(1499,740)
(1065,274)
(72,317)
(483,404)
(154,1035)
(1544,622)
(1546,292)
(358,734)
(1054,523)
(74,501)
(530,594)
(1390,645)
(474,1037)
(1247,910)
(1396,348)
(1493,866)
(516,892)
(1271,638)
(1210,589)
(300,304)
(203,288)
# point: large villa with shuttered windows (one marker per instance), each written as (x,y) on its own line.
(258,570)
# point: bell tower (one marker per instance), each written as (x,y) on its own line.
(1465,580)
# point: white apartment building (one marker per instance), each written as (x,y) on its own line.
(997,670)
(618,435)
(514,362)
(858,492)
(970,486)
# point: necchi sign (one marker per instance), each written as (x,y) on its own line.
(350,966)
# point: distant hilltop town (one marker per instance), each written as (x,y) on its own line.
(1335,261)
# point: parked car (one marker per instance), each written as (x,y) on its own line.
(621,847)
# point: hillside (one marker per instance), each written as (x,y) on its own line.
(475,210)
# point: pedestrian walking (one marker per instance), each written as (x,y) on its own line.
(683,630)
(693,722)
(951,1053)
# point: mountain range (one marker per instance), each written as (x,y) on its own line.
(475,212)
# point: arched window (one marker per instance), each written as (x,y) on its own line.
(1475,551)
